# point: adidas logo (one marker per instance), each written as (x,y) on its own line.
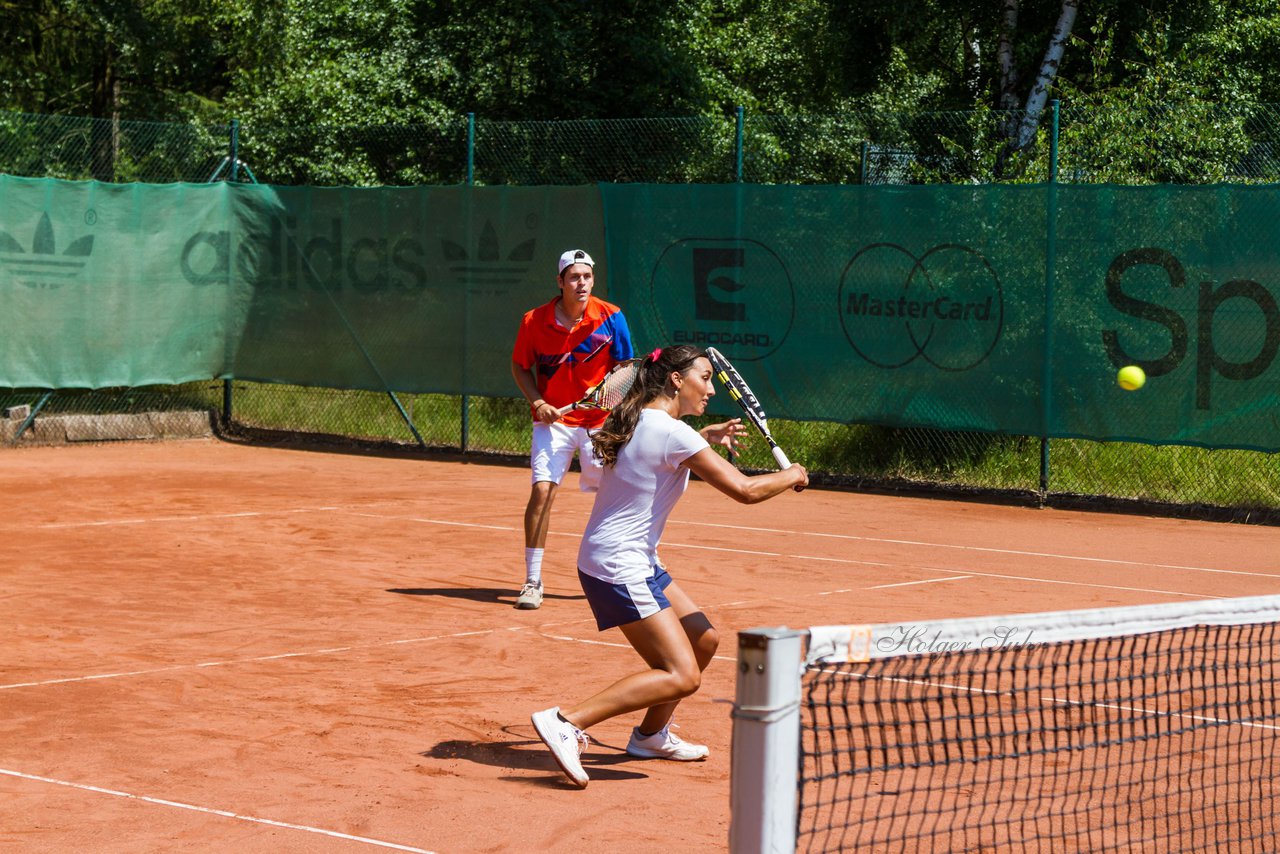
(488,267)
(42,267)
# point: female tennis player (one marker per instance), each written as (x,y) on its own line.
(647,453)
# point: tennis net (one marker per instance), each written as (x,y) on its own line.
(1153,728)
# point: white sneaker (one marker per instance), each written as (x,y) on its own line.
(664,744)
(530,598)
(566,741)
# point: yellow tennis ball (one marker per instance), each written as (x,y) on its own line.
(1131,377)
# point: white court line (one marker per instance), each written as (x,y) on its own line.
(329,651)
(1044,698)
(224,813)
(971,573)
(199,517)
(848,561)
(1018,552)
(589,642)
(753,552)
(555,533)
(854,562)
(925,581)
(1142,710)
(739,603)
(854,537)
(967,573)
(447,522)
(1078,583)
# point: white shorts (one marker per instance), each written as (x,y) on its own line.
(553,448)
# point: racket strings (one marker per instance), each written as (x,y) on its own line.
(615,386)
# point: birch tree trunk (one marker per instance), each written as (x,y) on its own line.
(1004,55)
(1048,70)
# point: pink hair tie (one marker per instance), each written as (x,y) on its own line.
(655,354)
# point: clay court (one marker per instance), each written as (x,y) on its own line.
(221,647)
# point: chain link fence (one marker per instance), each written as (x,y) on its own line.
(1177,143)
(76,149)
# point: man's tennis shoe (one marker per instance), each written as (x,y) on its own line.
(664,744)
(566,742)
(530,597)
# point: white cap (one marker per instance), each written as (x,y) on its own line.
(574,256)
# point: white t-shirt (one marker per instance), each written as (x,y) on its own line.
(636,496)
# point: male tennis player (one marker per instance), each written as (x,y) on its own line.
(563,348)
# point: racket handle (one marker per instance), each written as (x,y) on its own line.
(783,462)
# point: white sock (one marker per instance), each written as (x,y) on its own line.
(533,565)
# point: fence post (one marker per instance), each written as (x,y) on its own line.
(235,150)
(471,148)
(737,205)
(31,416)
(465,438)
(862,170)
(737,172)
(1051,247)
(234,153)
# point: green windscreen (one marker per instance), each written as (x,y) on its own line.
(932,306)
(919,306)
(98,287)
(935,306)
(422,288)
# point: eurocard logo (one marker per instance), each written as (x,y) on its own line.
(729,293)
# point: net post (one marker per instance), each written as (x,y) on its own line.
(766,742)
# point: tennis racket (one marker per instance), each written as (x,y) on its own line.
(741,392)
(609,392)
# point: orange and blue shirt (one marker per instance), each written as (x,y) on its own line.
(570,361)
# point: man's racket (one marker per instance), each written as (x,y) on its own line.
(741,392)
(609,392)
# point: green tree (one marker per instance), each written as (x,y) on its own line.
(416,63)
(130,58)
(1170,112)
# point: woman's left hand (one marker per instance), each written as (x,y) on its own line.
(727,434)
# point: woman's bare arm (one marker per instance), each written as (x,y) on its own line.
(748,489)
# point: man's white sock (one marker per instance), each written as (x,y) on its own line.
(533,566)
